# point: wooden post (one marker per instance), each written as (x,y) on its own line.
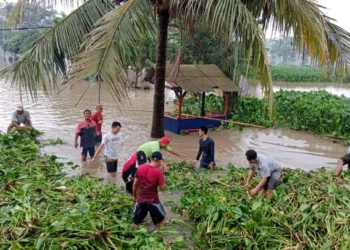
(226,103)
(99,88)
(180,106)
(203,104)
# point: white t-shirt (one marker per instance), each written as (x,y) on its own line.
(112,144)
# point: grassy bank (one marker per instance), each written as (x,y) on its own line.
(315,111)
(303,74)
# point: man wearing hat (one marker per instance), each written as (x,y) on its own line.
(130,168)
(148,178)
(156,146)
(20,116)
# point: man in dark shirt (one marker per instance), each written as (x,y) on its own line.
(206,149)
(130,168)
(145,191)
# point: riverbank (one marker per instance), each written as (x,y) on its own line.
(41,208)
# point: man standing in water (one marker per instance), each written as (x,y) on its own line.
(147,179)
(155,146)
(20,116)
(268,169)
(206,150)
(111,143)
(86,129)
(98,118)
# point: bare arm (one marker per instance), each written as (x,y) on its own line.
(261,183)
(76,140)
(250,176)
(98,151)
(162,187)
(134,188)
(339,168)
(16,124)
(175,153)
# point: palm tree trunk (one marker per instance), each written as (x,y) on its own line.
(158,100)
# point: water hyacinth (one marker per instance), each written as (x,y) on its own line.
(310,210)
(40,208)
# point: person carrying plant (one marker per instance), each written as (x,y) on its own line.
(268,169)
(206,150)
(130,168)
(98,118)
(20,116)
(156,146)
(111,144)
(148,178)
(86,129)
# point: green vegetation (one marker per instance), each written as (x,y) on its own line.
(303,74)
(40,208)
(309,211)
(315,111)
(193,104)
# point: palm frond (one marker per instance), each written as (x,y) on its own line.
(17,12)
(233,19)
(105,47)
(325,42)
(40,65)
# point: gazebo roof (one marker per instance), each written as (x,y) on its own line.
(200,78)
(197,78)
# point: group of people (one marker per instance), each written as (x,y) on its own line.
(144,171)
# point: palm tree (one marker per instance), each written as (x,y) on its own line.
(95,35)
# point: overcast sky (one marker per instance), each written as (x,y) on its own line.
(337,9)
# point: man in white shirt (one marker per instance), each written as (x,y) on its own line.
(268,169)
(20,116)
(111,143)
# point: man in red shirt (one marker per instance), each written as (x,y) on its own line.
(145,191)
(98,118)
(86,130)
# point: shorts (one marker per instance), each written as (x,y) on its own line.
(98,139)
(156,211)
(85,151)
(112,166)
(205,165)
(273,181)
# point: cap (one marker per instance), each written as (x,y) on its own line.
(164,140)
(157,156)
(141,157)
(98,106)
(20,107)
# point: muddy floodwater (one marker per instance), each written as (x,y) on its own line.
(57,117)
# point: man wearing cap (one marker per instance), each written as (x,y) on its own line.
(20,116)
(111,143)
(129,170)
(148,178)
(98,118)
(156,146)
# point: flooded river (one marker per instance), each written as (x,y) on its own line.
(57,117)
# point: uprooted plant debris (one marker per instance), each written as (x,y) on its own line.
(310,210)
(41,208)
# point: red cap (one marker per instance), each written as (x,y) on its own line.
(164,140)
